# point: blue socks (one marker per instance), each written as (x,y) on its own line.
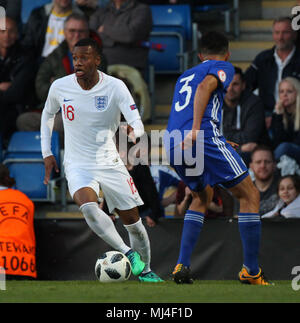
(250,231)
(193,222)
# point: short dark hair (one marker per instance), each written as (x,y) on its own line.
(282,19)
(238,70)
(89,42)
(77,16)
(214,43)
(263,147)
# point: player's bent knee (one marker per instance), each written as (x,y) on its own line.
(130,216)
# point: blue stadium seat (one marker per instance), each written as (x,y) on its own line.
(173,28)
(172,59)
(27,144)
(25,163)
(172,17)
(226,9)
(29,5)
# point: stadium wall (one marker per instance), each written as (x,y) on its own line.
(67,249)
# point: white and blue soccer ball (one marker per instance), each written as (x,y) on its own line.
(112,266)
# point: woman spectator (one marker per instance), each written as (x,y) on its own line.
(289,194)
(286,120)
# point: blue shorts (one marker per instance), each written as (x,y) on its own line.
(221,165)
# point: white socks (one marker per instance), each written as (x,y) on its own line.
(103,226)
(139,242)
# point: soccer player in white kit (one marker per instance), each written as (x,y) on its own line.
(91,102)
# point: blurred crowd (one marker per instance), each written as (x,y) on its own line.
(261,110)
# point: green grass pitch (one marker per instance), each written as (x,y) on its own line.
(136,292)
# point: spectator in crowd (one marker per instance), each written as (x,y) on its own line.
(137,87)
(17,73)
(266,177)
(58,64)
(286,120)
(12,9)
(16,229)
(124,26)
(88,7)
(243,117)
(165,178)
(270,66)
(289,194)
(184,199)
(44,29)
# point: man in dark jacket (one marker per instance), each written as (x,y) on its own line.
(272,65)
(12,9)
(123,25)
(243,117)
(17,73)
(43,31)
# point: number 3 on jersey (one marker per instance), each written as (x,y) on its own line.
(185,88)
(68,112)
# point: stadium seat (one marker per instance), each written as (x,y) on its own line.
(172,59)
(25,163)
(29,5)
(174,17)
(173,28)
(226,10)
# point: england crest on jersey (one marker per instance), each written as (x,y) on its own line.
(101,102)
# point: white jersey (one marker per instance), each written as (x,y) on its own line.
(90,118)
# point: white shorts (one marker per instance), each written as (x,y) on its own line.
(116,184)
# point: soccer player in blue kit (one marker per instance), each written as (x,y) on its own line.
(197,108)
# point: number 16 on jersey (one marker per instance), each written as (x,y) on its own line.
(68,112)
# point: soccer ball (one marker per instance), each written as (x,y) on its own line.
(112,266)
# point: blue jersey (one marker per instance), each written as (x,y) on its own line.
(218,162)
(182,112)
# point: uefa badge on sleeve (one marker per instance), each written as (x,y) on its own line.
(222,75)
(101,102)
